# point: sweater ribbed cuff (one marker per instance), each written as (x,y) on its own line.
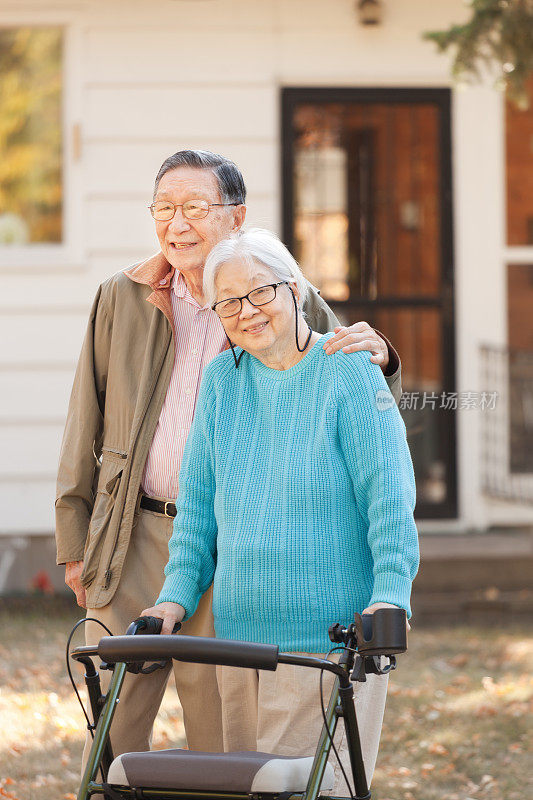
(391,587)
(179,588)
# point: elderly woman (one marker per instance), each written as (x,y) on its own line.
(296,497)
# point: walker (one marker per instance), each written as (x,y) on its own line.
(367,645)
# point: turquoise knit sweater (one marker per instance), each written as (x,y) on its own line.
(296,496)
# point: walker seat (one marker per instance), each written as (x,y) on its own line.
(247,772)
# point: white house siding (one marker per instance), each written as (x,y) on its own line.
(145,79)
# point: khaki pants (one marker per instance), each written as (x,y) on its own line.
(141,695)
(280,712)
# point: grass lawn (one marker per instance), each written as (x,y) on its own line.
(458,724)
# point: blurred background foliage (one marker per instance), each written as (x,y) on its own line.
(30,135)
(498,37)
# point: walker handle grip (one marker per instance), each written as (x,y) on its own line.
(196,649)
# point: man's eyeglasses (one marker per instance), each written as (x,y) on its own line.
(257,297)
(164,210)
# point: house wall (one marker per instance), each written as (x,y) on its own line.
(145,79)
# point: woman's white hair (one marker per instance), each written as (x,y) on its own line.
(253,245)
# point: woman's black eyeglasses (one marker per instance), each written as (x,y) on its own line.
(257,297)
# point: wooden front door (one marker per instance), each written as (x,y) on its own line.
(367,213)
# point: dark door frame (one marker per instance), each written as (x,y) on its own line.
(440,97)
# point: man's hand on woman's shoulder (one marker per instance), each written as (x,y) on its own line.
(359,337)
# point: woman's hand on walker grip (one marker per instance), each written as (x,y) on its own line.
(170,613)
(375,606)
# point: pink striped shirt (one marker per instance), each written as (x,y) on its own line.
(199,338)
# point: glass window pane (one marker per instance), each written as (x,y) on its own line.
(366,195)
(519,306)
(520,380)
(427,407)
(519,164)
(416,334)
(30,135)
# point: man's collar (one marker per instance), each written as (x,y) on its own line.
(178,285)
(155,272)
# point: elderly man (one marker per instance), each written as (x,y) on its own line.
(149,337)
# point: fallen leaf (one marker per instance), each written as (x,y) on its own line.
(459,660)
(437,749)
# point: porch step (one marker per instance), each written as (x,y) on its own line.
(475,577)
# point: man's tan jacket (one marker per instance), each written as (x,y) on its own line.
(120,385)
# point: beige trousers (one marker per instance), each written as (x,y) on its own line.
(141,695)
(280,712)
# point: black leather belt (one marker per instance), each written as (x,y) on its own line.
(159,506)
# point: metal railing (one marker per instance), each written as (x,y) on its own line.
(507,429)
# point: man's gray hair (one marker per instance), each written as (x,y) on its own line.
(228,175)
(254,245)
